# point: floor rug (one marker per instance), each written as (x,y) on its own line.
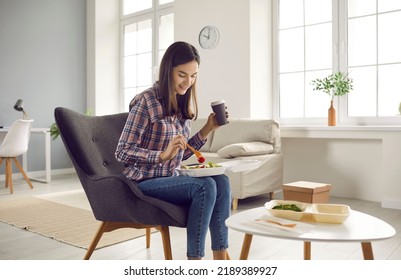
(72,225)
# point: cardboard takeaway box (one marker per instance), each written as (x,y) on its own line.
(309,192)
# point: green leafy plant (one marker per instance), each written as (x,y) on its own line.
(54,131)
(336,84)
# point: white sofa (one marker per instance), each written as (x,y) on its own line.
(246,139)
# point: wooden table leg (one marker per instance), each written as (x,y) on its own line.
(367,250)
(307,250)
(246,245)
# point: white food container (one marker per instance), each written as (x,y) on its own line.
(316,212)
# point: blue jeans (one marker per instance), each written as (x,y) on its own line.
(210,203)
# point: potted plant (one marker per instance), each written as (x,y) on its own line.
(54,131)
(337,84)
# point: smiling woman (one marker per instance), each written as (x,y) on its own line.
(155,140)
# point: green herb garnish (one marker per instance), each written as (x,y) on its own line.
(291,207)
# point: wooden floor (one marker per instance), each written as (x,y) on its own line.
(18,244)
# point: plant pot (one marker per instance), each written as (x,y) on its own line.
(332,115)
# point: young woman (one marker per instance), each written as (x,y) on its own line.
(153,145)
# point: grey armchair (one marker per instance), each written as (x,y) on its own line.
(115,201)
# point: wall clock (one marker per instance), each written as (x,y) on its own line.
(209,37)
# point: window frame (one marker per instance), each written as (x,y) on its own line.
(339,63)
(154,15)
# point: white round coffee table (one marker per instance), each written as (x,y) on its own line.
(358,227)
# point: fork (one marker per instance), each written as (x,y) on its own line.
(277,223)
(201,159)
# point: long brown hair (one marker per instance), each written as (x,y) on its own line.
(176,54)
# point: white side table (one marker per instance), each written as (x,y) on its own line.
(359,227)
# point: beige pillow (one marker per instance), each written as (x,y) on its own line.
(245,149)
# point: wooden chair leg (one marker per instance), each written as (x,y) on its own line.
(1,161)
(235,204)
(22,172)
(165,232)
(95,240)
(9,175)
(148,238)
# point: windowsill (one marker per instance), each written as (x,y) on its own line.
(340,128)
(338,132)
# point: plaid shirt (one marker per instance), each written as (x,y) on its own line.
(146,135)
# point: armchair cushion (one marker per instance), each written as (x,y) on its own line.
(245,149)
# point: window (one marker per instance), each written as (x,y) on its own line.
(147,28)
(314,38)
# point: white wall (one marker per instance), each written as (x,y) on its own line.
(230,71)
(103,21)
(43,62)
(359,162)
(261,59)
(340,162)
(237,70)
(391,165)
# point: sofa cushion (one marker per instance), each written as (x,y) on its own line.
(246,130)
(245,149)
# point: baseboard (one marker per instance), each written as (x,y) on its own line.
(64,171)
(41,173)
(391,204)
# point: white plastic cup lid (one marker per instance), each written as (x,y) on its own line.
(217,102)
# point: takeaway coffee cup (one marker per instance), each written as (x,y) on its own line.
(219,108)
